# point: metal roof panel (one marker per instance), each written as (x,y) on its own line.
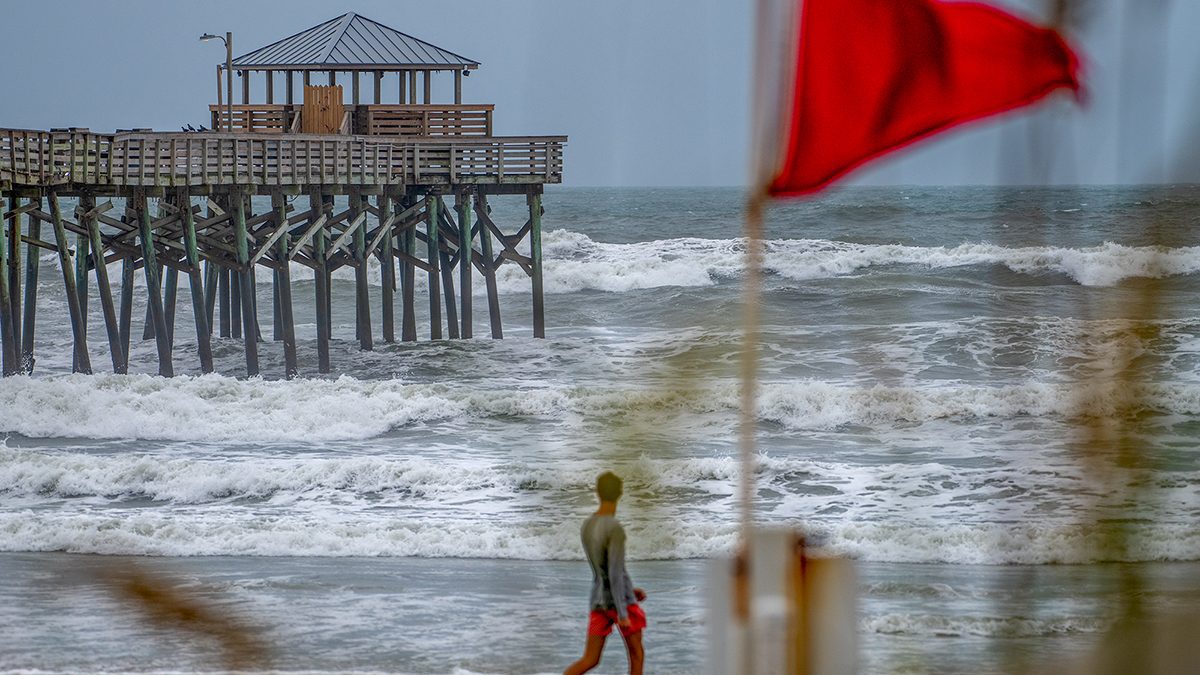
(351,40)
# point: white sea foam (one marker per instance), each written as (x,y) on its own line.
(578,263)
(219,532)
(215,408)
(934,625)
(575,262)
(302,505)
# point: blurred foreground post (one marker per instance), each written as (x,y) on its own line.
(800,611)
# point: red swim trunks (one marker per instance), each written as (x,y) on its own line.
(601,621)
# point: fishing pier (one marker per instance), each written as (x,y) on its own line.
(417,177)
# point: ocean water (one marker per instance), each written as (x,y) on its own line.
(932,362)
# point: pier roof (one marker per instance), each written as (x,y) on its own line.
(352,42)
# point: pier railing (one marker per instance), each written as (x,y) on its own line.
(256,118)
(429,120)
(41,158)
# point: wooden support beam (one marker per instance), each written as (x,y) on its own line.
(308,233)
(29,320)
(448,293)
(235,300)
(407,254)
(245,285)
(126,319)
(223,292)
(82,362)
(148,322)
(535,247)
(350,231)
(211,273)
(9,357)
(465,251)
(154,290)
(280,230)
(200,312)
(387,264)
(12,272)
(81,284)
(89,218)
(322,285)
(284,286)
(428,85)
(489,271)
(362,296)
(458,82)
(270,86)
(431,241)
(276,318)
(378,87)
(170,296)
(19,210)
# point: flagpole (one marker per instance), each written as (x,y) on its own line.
(772,94)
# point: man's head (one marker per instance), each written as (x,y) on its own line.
(608,487)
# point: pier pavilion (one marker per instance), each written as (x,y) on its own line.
(179,203)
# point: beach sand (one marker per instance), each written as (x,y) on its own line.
(504,616)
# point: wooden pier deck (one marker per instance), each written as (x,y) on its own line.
(103,163)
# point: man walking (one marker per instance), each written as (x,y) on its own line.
(613,598)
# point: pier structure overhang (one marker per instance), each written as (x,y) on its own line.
(351,44)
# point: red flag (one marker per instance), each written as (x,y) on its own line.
(876,75)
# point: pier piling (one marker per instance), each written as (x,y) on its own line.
(81,364)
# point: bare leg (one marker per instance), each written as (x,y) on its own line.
(637,654)
(591,656)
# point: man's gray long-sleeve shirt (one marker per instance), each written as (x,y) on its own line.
(604,542)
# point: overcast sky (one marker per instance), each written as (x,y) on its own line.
(651,92)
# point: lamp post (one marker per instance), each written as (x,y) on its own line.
(228,40)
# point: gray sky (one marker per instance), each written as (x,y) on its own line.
(651,92)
